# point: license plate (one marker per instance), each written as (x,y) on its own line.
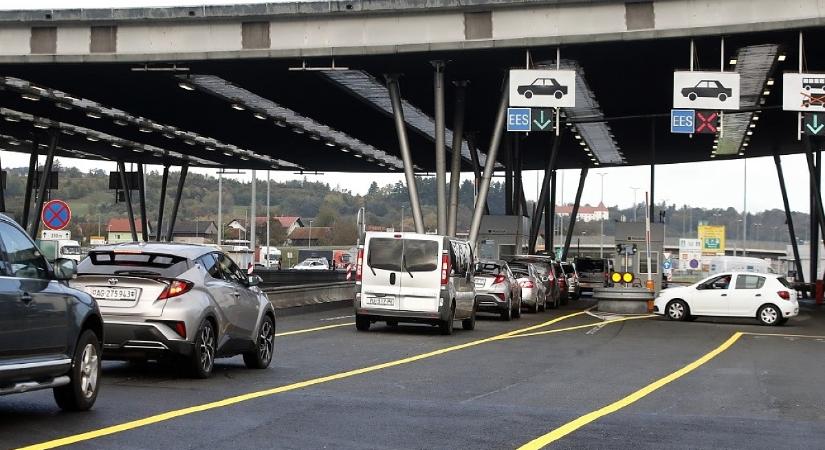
(113,293)
(479,282)
(381,301)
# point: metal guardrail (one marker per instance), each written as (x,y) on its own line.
(289,277)
(310,294)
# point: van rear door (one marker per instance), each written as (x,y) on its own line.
(381,273)
(421,274)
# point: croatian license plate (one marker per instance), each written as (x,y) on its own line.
(113,293)
(381,301)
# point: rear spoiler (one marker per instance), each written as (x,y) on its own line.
(133,258)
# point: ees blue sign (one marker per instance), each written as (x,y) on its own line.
(518,119)
(682,121)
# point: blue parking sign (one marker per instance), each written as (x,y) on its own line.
(682,121)
(518,119)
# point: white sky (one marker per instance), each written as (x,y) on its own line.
(708,184)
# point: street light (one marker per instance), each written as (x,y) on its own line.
(601,222)
(309,241)
(635,205)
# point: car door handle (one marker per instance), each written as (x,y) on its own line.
(758,295)
(26,298)
(724,295)
(392,278)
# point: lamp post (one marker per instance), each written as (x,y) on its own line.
(402,217)
(309,241)
(635,205)
(601,222)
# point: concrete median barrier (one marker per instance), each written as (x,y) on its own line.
(310,294)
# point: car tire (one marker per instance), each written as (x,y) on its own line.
(446,326)
(81,392)
(517,310)
(677,310)
(470,323)
(769,315)
(528,94)
(362,323)
(692,96)
(507,314)
(261,357)
(723,97)
(533,309)
(202,360)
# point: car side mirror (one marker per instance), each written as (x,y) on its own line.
(254,280)
(65,269)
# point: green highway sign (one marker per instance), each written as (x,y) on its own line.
(542,119)
(814,124)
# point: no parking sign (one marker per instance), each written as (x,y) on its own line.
(56,215)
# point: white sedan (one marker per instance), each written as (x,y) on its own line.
(766,297)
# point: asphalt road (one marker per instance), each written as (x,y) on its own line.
(411,388)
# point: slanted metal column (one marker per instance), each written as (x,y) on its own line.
(440,150)
(176,204)
(543,204)
(788,216)
(550,218)
(492,153)
(142,198)
(476,171)
(816,198)
(2,190)
(406,156)
(455,164)
(518,193)
(253,216)
(44,183)
(30,183)
(574,213)
(162,203)
(815,178)
(124,184)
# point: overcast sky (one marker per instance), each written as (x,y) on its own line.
(709,184)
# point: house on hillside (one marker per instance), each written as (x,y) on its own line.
(300,237)
(288,223)
(118,230)
(192,232)
(586,212)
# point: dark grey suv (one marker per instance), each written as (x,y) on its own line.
(50,334)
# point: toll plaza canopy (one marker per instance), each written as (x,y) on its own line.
(303,87)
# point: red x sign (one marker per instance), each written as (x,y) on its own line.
(707,121)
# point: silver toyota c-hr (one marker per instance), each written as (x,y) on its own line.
(168,299)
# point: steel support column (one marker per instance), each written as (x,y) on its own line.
(164,181)
(440,149)
(476,171)
(788,216)
(652,206)
(406,156)
(508,177)
(27,201)
(816,198)
(44,183)
(176,204)
(543,202)
(574,213)
(550,218)
(124,185)
(492,153)
(253,215)
(455,163)
(2,190)
(144,221)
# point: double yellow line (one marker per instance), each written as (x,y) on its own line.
(131,425)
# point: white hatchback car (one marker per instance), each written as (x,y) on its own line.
(766,297)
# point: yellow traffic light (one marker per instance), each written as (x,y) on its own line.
(627,277)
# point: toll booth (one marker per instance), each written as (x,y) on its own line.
(502,236)
(631,252)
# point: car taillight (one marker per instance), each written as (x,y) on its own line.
(527,284)
(359,265)
(784,295)
(175,288)
(445,269)
(499,279)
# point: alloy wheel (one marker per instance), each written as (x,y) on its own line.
(89,371)
(266,341)
(207,347)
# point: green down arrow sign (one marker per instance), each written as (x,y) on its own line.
(813,126)
(542,119)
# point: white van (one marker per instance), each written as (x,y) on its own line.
(410,277)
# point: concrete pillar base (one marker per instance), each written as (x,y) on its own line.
(621,300)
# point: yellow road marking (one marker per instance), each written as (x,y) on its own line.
(309,330)
(785,335)
(277,390)
(574,425)
(577,327)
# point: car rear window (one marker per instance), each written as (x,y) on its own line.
(420,255)
(784,282)
(590,265)
(385,254)
(141,264)
(490,269)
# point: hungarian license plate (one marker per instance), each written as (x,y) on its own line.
(113,293)
(381,301)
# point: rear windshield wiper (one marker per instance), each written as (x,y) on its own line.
(404,265)
(369,264)
(145,273)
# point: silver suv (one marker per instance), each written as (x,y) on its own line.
(169,299)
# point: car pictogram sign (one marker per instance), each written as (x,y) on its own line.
(707,122)
(56,215)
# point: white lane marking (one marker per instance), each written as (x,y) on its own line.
(337,318)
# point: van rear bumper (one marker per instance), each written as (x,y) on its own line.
(402,315)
